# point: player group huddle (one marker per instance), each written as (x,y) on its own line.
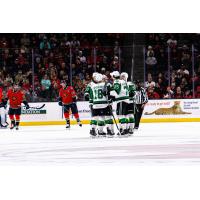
(101,93)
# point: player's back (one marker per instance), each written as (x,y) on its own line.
(120,90)
(97,94)
(131,89)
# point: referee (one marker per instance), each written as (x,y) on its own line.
(141,99)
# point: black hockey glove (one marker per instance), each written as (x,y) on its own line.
(60,103)
(26,104)
(131,94)
(87,98)
(111,98)
(74,99)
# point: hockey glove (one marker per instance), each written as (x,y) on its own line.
(131,94)
(87,98)
(60,103)
(111,98)
(74,99)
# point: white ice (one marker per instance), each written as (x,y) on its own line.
(153,144)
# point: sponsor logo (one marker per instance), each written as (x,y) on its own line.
(34,110)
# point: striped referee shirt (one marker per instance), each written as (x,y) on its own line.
(140,96)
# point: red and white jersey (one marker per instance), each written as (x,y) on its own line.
(1,95)
(67,94)
(15,98)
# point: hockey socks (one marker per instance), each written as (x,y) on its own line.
(110,128)
(123,122)
(131,125)
(93,124)
(67,123)
(101,125)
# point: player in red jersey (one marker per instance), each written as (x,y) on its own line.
(16,98)
(3,122)
(67,99)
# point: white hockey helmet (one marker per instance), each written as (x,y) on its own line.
(94,74)
(98,77)
(115,74)
(124,76)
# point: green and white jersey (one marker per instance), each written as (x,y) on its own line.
(96,94)
(132,89)
(120,91)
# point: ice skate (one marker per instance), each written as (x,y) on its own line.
(4,125)
(93,133)
(67,126)
(80,124)
(110,133)
(101,134)
(12,125)
(130,131)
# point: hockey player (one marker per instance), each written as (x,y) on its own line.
(16,98)
(120,93)
(101,112)
(106,92)
(131,106)
(3,103)
(67,99)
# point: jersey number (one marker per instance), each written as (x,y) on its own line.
(98,94)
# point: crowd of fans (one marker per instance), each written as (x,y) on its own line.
(169,66)
(38,62)
(55,57)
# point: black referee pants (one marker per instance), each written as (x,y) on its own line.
(138,115)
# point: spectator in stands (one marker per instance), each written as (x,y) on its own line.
(55,83)
(152,94)
(115,64)
(178,94)
(25,40)
(52,57)
(183,70)
(151,60)
(45,87)
(172,42)
(169,94)
(82,57)
(197,93)
(188,94)
(149,81)
(160,87)
(45,44)
(19,77)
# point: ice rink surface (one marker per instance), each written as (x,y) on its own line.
(154,144)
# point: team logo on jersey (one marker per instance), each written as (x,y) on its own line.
(65,95)
(14,98)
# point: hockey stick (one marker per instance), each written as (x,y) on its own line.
(110,107)
(37,107)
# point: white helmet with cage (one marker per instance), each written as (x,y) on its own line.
(124,76)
